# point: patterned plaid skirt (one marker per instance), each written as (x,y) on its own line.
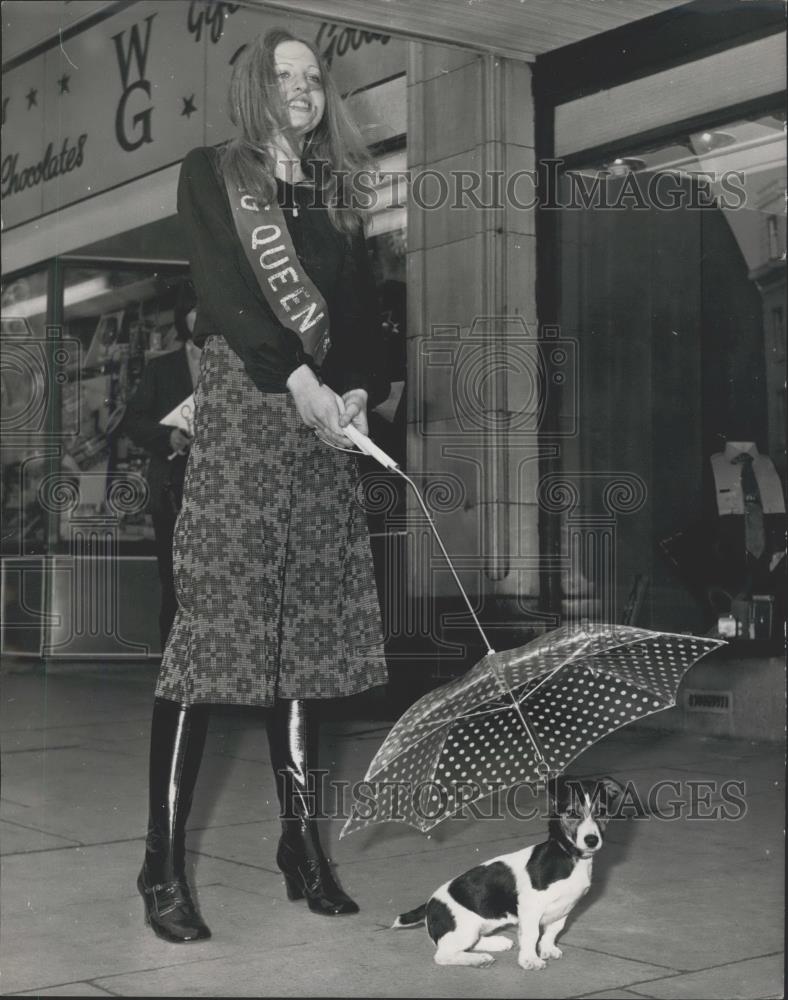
(273,568)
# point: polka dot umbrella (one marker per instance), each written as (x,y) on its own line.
(517,716)
(520,716)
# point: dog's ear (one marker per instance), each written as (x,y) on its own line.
(613,789)
(556,791)
(561,789)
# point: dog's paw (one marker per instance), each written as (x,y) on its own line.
(496,942)
(476,959)
(529,962)
(550,951)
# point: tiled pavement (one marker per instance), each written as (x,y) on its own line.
(685,908)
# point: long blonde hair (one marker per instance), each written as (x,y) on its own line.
(334,151)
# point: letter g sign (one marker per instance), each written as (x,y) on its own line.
(142,118)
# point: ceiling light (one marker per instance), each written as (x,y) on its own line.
(72,294)
(624,165)
(707,141)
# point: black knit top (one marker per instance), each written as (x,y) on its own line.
(232,304)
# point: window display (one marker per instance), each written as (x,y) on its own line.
(121,319)
(673,282)
(26,377)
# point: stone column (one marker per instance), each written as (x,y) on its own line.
(474,363)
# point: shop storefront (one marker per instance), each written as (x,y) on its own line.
(580,339)
(94,131)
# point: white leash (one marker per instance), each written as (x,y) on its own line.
(368,447)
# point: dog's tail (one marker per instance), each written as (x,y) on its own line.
(413,918)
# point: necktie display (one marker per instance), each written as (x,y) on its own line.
(754,536)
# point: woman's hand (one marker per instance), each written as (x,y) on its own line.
(179,441)
(318,406)
(355,401)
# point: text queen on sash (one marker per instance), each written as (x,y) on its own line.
(262,236)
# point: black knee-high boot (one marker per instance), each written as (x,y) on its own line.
(176,746)
(293,739)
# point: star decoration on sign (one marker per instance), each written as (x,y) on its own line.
(63,82)
(188,106)
(32,98)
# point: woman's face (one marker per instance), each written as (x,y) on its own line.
(301,84)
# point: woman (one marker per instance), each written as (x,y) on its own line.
(273,571)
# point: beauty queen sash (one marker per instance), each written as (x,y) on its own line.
(296,302)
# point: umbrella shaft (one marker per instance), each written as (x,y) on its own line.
(446,557)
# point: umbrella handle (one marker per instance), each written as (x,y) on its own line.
(368,446)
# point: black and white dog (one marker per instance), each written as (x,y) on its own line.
(535,888)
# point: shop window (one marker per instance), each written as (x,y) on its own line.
(27,391)
(671,275)
(119,319)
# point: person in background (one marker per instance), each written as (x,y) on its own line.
(166,381)
(387,421)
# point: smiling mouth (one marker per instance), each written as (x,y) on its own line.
(300,105)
